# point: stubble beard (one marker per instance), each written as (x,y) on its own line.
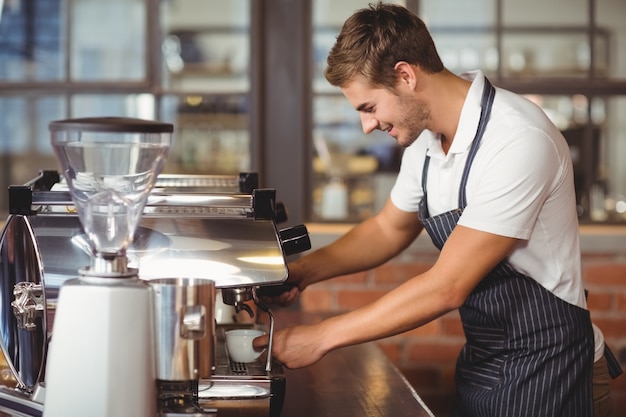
(414,115)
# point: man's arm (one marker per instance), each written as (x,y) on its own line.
(365,246)
(466,258)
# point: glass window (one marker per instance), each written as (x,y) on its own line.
(541,13)
(610,43)
(31,41)
(206,46)
(14,111)
(513,43)
(212,135)
(100,105)
(545,52)
(466,39)
(547,39)
(206,63)
(47,109)
(25,145)
(612,173)
(108,40)
(195,74)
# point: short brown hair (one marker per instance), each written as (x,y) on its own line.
(374,39)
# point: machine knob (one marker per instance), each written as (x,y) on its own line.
(295,239)
(28,304)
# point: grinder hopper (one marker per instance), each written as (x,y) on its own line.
(101,355)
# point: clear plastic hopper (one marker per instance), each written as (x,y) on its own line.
(110,165)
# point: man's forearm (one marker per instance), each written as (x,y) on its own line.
(363,247)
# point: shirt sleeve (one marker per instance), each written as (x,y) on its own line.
(509,183)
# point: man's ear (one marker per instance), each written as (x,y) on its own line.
(407,75)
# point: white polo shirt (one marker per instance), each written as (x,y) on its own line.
(520,185)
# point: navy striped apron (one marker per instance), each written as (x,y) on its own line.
(527,352)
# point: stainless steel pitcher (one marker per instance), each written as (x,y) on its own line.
(184,328)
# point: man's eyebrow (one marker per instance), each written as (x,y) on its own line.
(362,107)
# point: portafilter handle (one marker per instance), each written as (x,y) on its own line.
(237,297)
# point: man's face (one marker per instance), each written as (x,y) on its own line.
(400,113)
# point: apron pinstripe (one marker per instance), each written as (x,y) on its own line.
(527,352)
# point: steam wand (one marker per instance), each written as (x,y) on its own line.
(265,308)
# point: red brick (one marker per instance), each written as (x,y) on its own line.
(600,301)
(354,299)
(605,274)
(620,301)
(612,327)
(313,299)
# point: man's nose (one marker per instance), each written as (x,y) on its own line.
(368,123)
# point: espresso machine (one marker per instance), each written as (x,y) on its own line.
(109,272)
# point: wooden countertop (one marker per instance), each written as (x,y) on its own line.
(356,381)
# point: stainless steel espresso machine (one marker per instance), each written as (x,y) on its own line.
(135,331)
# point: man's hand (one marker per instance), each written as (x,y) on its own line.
(295,347)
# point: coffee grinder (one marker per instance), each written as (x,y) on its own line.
(101,359)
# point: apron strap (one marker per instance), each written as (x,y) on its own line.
(486,103)
(615,368)
(485,110)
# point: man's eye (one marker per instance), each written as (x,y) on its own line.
(368,110)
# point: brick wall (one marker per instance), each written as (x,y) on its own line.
(427,355)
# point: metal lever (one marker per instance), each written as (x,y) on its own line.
(265,308)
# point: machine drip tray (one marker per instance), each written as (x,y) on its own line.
(241,389)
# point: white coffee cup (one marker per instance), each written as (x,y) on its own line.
(239,345)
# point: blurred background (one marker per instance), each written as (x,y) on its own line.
(242,81)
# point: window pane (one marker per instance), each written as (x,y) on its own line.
(206,46)
(541,13)
(47,109)
(611,41)
(471,14)
(108,40)
(211,134)
(98,105)
(25,141)
(545,53)
(13,110)
(31,40)
(613,169)
(545,38)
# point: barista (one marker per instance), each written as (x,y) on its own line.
(490,178)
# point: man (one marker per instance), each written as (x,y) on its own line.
(490,179)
